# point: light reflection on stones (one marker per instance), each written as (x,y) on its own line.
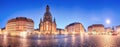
(61,41)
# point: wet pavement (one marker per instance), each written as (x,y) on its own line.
(61,41)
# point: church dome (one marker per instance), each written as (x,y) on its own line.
(47,15)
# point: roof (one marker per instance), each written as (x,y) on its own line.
(96,25)
(73,24)
(20,19)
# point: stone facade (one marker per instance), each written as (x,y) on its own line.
(96,28)
(118,28)
(19,24)
(47,26)
(108,29)
(0,31)
(75,28)
(60,31)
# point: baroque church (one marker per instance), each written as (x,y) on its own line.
(47,25)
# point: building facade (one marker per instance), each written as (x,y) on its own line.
(96,28)
(0,31)
(108,29)
(60,31)
(75,28)
(89,28)
(118,28)
(19,24)
(47,26)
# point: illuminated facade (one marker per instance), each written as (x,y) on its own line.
(19,24)
(90,29)
(47,26)
(0,31)
(60,31)
(96,28)
(3,31)
(75,28)
(118,28)
(108,29)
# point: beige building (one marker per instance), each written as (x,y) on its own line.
(19,24)
(0,31)
(75,28)
(118,28)
(47,26)
(60,31)
(36,31)
(90,29)
(3,31)
(108,29)
(96,28)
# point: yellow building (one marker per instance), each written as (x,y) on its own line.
(47,26)
(75,28)
(19,24)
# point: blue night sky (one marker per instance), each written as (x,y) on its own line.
(87,12)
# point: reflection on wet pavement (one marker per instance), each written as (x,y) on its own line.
(61,41)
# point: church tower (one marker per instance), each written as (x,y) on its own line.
(47,26)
